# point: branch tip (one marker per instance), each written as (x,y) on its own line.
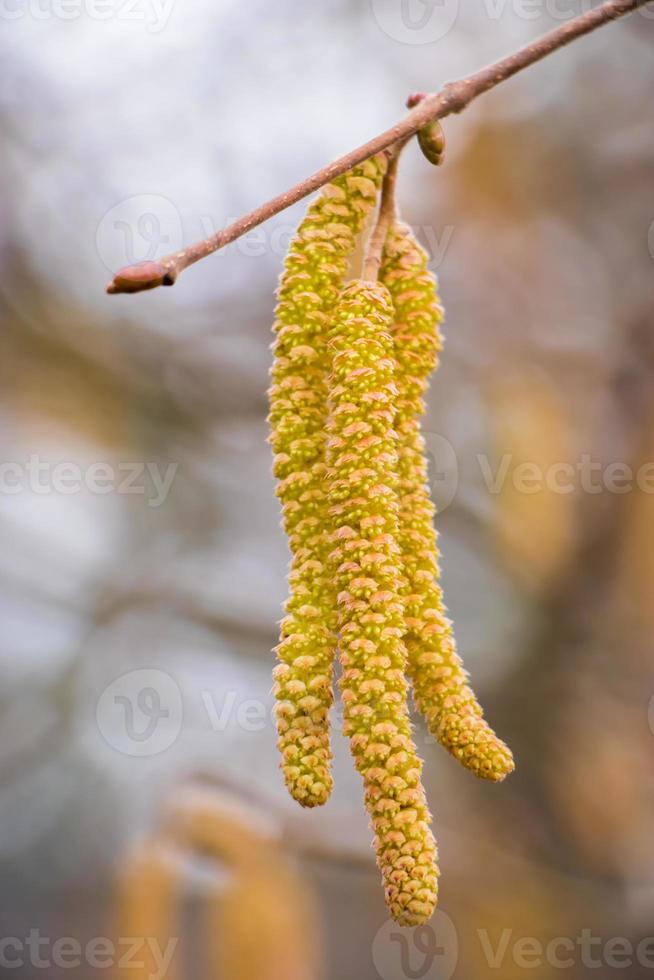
(141,276)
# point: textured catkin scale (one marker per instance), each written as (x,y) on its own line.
(361,458)
(440,683)
(314,270)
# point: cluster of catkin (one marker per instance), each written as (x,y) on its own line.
(351,366)
(255,918)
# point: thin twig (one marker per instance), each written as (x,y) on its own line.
(384,218)
(452,98)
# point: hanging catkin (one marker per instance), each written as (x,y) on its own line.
(148,900)
(362,458)
(313,275)
(440,686)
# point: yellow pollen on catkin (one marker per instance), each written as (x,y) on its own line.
(440,682)
(314,270)
(366,565)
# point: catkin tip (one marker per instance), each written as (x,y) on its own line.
(472,741)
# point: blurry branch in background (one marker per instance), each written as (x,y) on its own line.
(453,98)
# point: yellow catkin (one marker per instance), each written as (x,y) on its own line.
(148,901)
(313,276)
(439,680)
(362,458)
(260,919)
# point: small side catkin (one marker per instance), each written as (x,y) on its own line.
(314,271)
(440,683)
(361,457)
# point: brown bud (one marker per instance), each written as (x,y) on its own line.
(432,142)
(143,275)
(414,99)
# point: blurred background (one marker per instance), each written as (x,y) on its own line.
(143,566)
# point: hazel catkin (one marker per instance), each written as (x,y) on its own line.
(350,371)
(314,270)
(440,682)
(361,459)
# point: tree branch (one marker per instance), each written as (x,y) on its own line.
(452,98)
